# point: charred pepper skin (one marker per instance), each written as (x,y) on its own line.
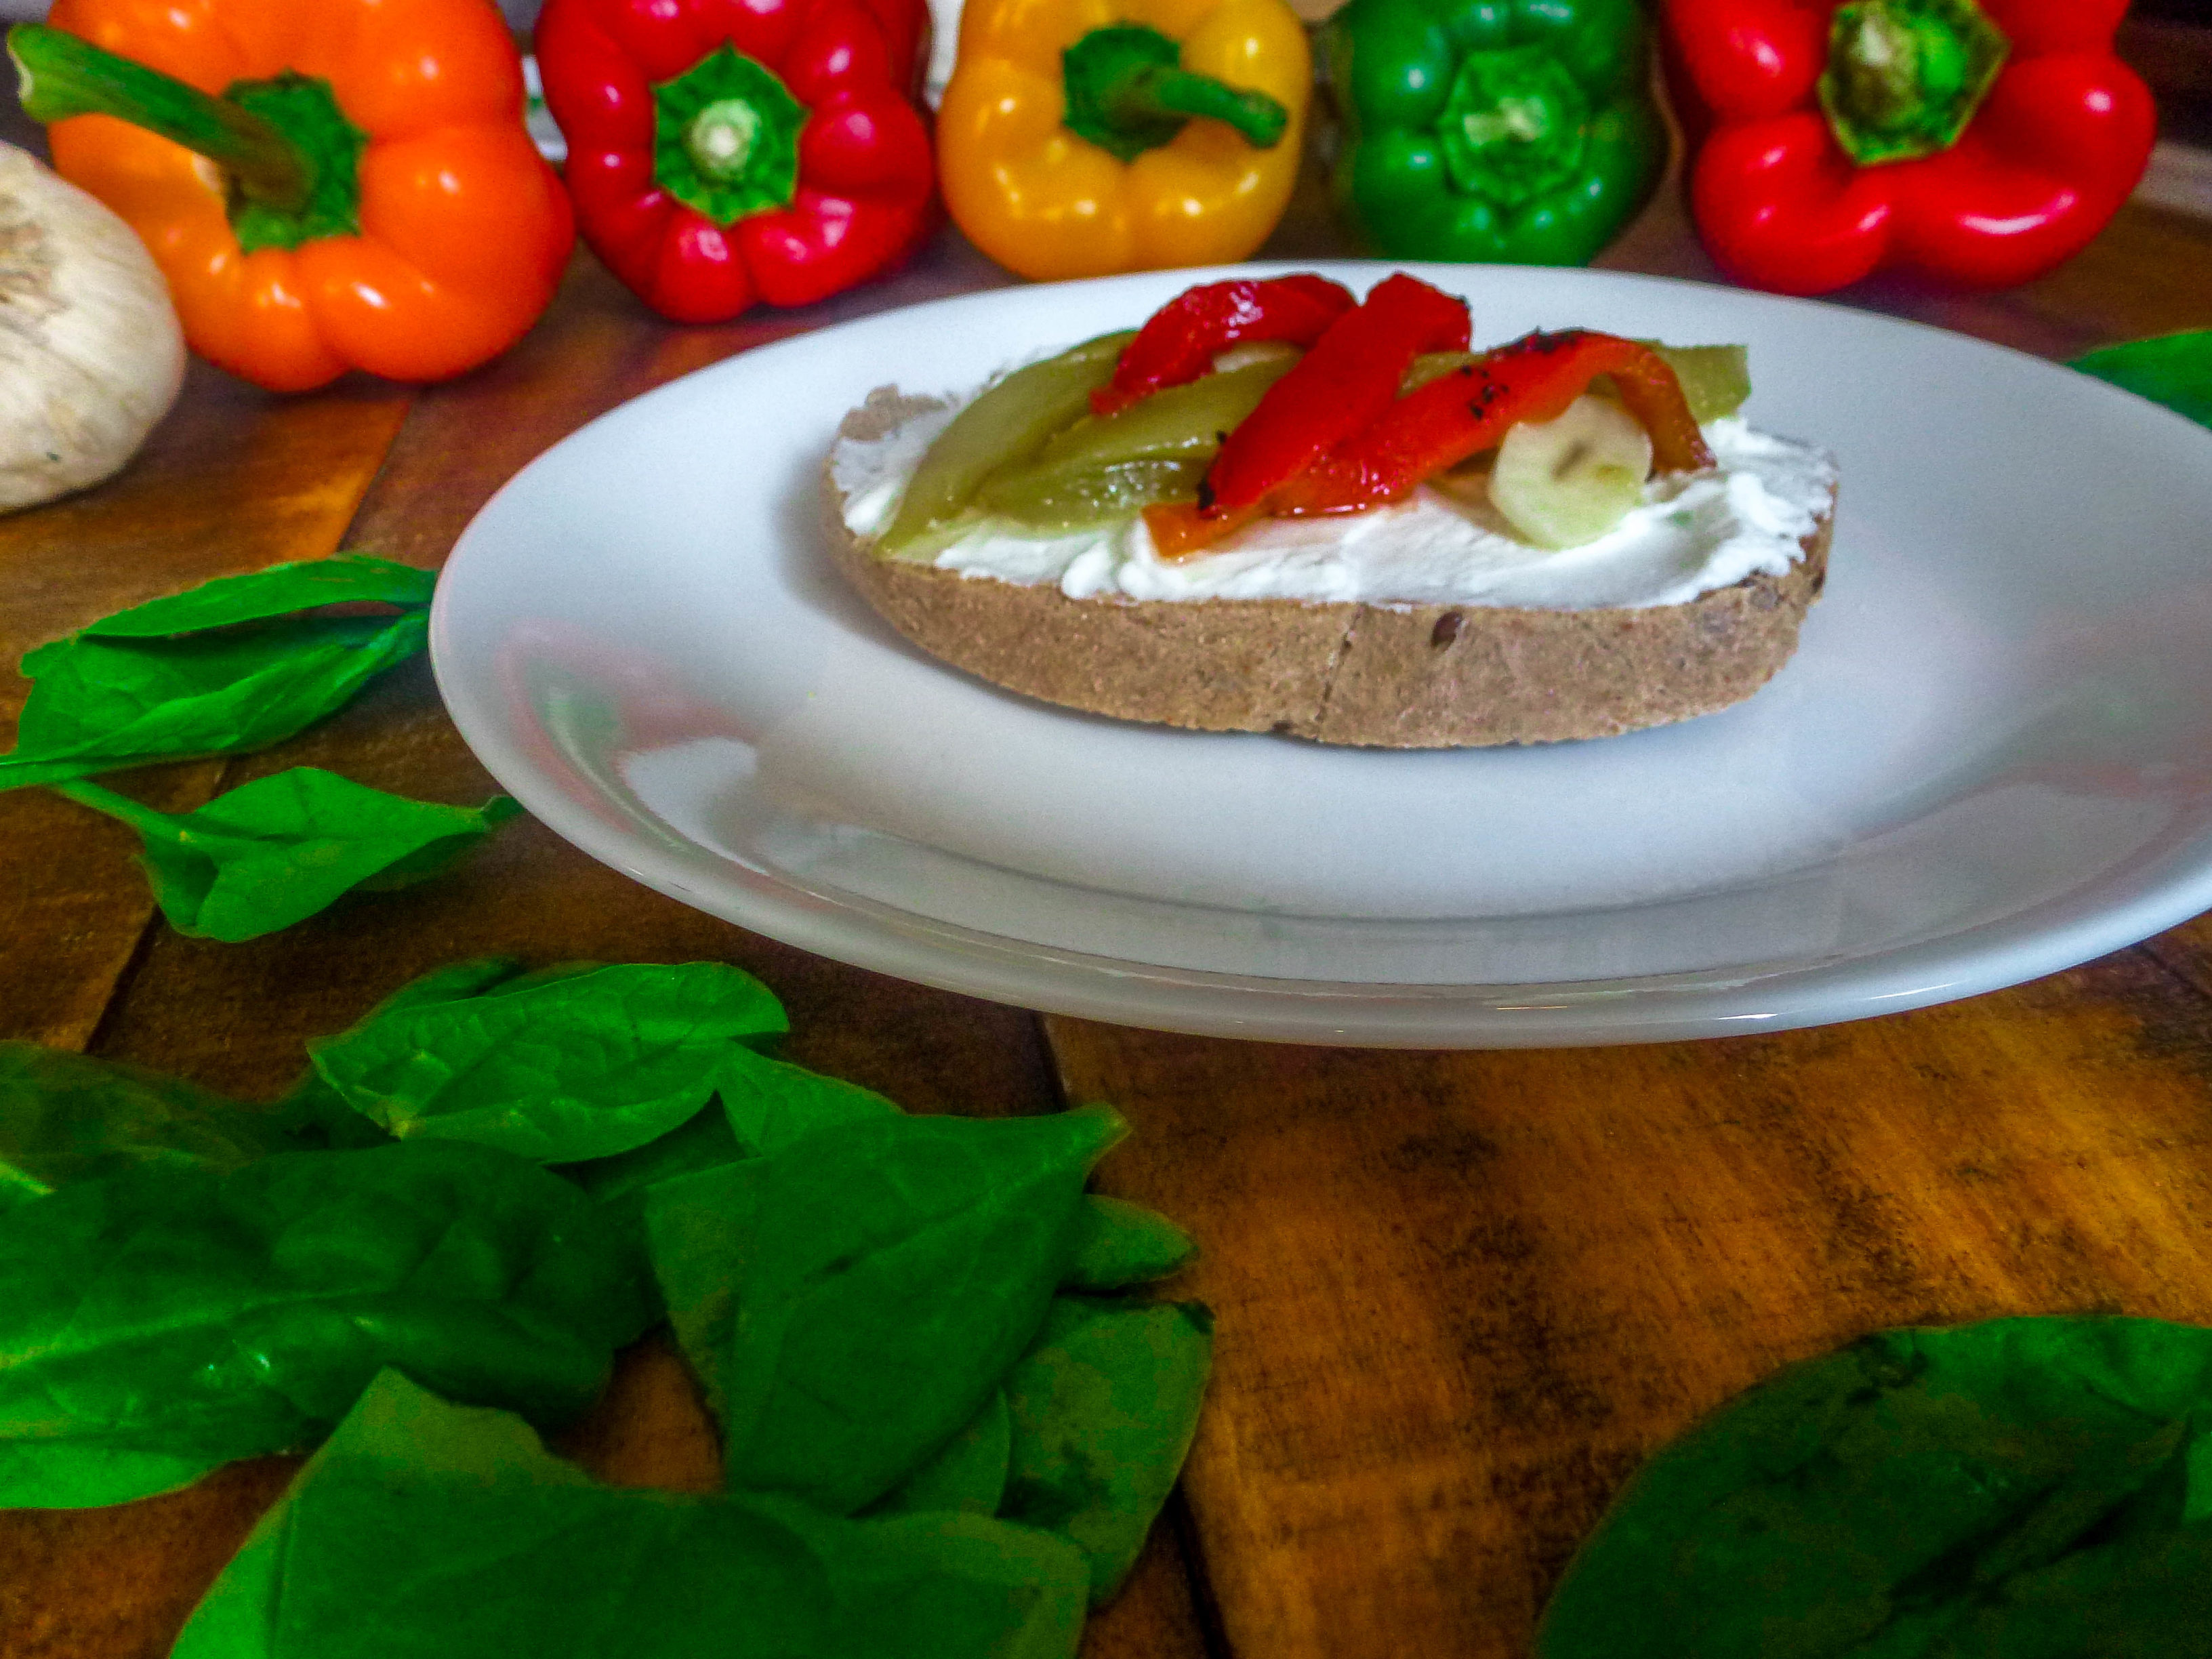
(1524,132)
(1816,170)
(721,155)
(437,233)
(1468,412)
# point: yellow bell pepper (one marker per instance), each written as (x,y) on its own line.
(1081,137)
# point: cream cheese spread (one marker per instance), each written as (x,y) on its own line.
(1693,533)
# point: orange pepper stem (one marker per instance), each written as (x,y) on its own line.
(60,76)
(291,155)
(1127,92)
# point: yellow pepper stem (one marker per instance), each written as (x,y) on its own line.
(1127,93)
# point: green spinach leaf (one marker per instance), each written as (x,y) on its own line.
(278,591)
(277,850)
(165,1320)
(429,1531)
(66,1117)
(471,977)
(1118,1244)
(621,1185)
(851,1300)
(702,1143)
(97,703)
(770,1102)
(1103,1407)
(561,1066)
(2173,369)
(317,1117)
(967,1474)
(2034,1488)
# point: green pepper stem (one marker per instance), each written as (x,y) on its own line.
(1150,93)
(60,76)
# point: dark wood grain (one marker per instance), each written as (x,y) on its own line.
(1461,1296)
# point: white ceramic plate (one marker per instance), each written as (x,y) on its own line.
(1991,758)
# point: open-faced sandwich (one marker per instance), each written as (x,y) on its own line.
(1276,508)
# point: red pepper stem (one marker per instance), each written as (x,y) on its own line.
(1903,77)
(60,76)
(720,138)
(726,136)
(1878,58)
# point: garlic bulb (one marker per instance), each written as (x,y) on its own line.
(90,352)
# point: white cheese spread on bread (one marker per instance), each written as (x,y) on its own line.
(1693,533)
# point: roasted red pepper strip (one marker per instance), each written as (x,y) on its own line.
(1180,339)
(1348,379)
(1468,412)
(1459,415)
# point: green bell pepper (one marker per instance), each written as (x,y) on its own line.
(1521,132)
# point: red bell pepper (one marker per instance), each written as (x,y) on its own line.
(1180,339)
(1978,143)
(722,152)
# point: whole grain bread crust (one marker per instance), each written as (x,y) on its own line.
(1413,676)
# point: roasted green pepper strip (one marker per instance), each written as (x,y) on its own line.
(1153,451)
(1716,379)
(1076,499)
(1005,427)
(1516,131)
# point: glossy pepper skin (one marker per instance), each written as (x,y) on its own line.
(1179,342)
(459,230)
(1797,188)
(1046,201)
(1348,381)
(725,152)
(1520,131)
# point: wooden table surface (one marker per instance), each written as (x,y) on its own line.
(1461,1295)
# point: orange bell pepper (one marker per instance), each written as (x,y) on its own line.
(364,194)
(1081,137)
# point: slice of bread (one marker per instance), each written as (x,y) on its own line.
(1411,677)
